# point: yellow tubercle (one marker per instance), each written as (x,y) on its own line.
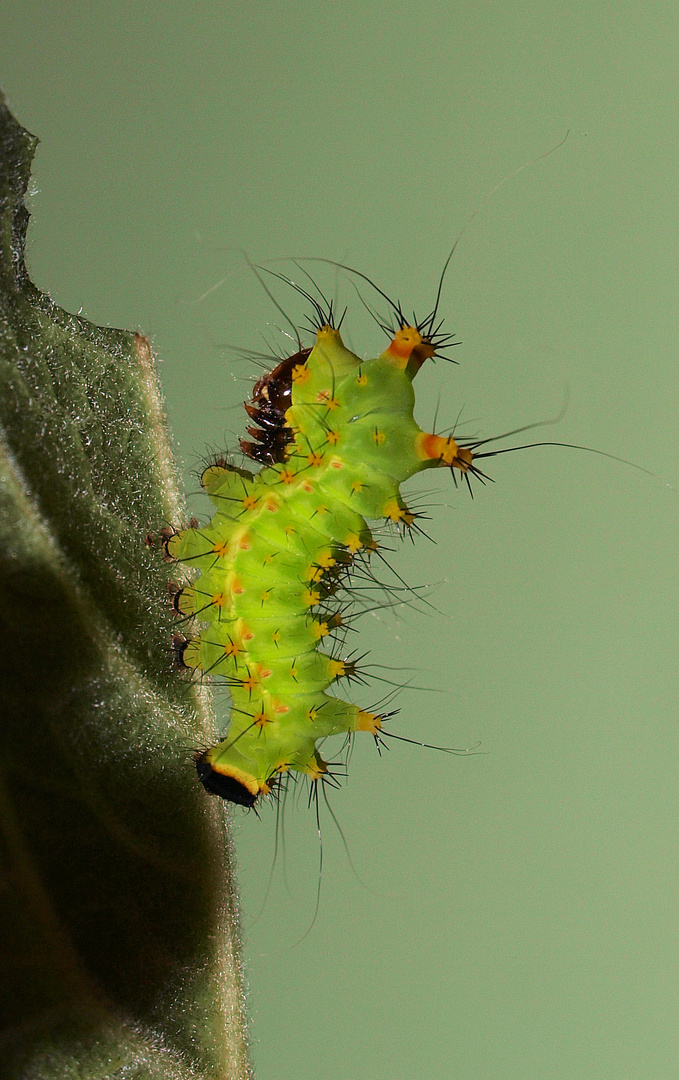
(394,511)
(316,768)
(369,722)
(300,374)
(328,333)
(325,559)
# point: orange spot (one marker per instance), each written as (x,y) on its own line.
(324,398)
(308,487)
(430,446)
(283,709)
(336,463)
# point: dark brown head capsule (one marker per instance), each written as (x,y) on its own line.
(271,398)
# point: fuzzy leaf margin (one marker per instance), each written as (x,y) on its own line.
(119,952)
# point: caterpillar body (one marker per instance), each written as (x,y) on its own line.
(336,439)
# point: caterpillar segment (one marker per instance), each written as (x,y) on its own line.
(334,450)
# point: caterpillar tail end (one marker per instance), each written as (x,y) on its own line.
(227,781)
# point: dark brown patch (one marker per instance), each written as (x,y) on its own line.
(179,643)
(271,398)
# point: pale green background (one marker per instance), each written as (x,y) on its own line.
(521,911)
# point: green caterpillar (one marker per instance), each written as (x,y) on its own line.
(338,439)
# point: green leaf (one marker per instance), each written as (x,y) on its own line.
(119,953)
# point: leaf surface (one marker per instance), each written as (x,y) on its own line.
(119,952)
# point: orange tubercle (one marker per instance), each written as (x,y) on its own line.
(405,340)
(447,451)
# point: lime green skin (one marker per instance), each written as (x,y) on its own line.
(270,559)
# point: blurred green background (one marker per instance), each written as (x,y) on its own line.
(520,911)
